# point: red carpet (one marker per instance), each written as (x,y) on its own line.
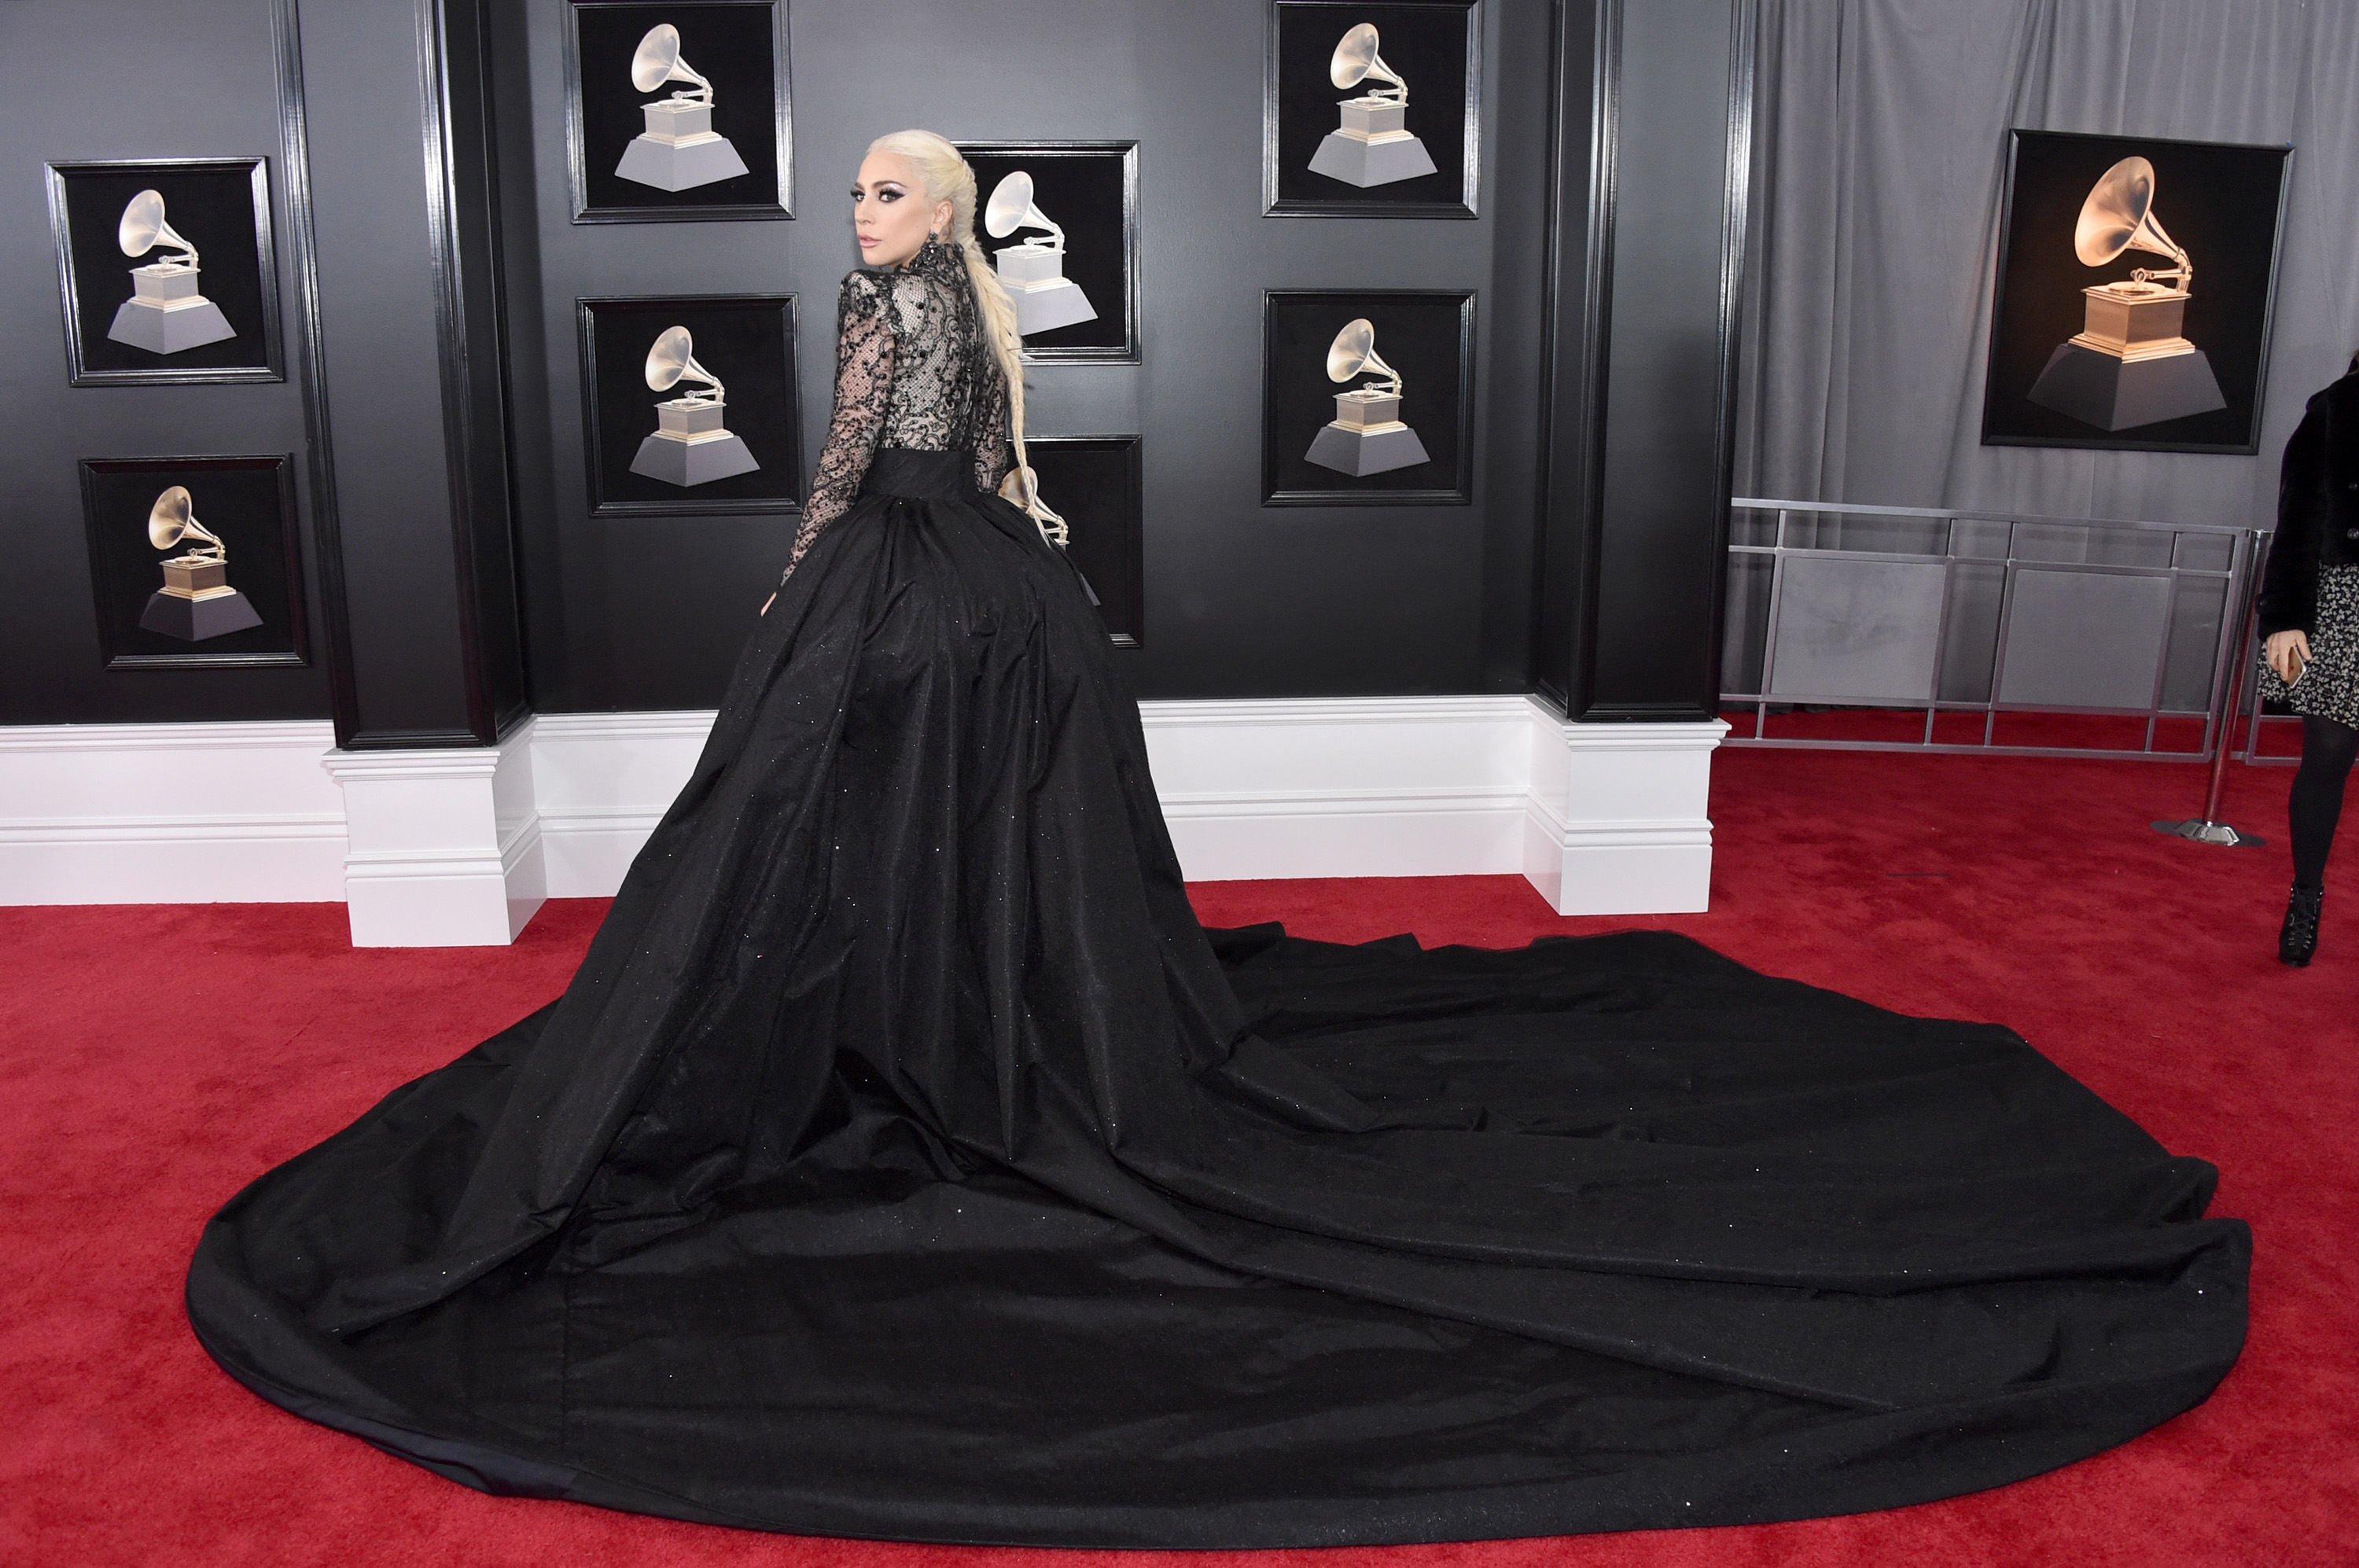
(156,1058)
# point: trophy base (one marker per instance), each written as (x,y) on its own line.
(681,165)
(194,620)
(1371,161)
(169,327)
(693,459)
(2116,394)
(1362,453)
(1043,307)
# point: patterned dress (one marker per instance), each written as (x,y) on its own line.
(912,370)
(2328,689)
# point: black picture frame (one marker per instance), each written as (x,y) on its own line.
(1437,48)
(1427,334)
(1096,484)
(1091,189)
(740,46)
(223,207)
(249,502)
(747,340)
(2224,202)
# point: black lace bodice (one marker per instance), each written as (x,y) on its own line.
(911,370)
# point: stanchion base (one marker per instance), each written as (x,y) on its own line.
(2202,831)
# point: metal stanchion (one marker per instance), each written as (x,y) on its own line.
(2208,828)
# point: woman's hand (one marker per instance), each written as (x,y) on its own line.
(2287,653)
(773,599)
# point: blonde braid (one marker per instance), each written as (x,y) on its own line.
(949,178)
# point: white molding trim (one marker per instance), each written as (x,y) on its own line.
(445,844)
(603,781)
(1615,815)
(458,846)
(178,813)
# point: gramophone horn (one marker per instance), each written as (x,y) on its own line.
(2119,216)
(173,518)
(143,228)
(657,60)
(1011,208)
(1356,59)
(673,360)
(1353,351)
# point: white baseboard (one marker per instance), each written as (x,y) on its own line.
(604,780)
(446,847)
(1348,786)
(170,814)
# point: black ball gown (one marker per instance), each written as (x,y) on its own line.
(906,1161)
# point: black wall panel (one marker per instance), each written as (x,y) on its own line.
(456,577)
(1652,123)
(123,79)
(1245,600)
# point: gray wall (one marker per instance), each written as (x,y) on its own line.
(124,79)
(455,580)
(1240,600)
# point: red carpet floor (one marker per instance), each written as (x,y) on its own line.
(156,1058)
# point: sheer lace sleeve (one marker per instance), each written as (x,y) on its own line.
(864,388)
(992,456)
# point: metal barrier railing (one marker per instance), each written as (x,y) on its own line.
(1964,615)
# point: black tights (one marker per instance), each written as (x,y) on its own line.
(2327,751)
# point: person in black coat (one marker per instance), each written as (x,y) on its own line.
(2309,624)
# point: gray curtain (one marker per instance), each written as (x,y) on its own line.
(1881,141)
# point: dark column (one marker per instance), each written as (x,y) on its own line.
(1653,119)
(410,373)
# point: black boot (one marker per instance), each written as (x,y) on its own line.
(2299,940)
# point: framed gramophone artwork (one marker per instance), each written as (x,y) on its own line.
(1372,110)
(166,270)
(688,405)
(2132,305)
(678,112)
(1095,483)
(1059,222)
(1367,397)
(193,562)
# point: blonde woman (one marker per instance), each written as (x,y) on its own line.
(906,1160)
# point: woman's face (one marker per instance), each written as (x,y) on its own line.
(889,210)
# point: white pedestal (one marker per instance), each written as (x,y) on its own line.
(1360,452)
(1043,307)
(1371,160)
(444,843)
(698,459)
(681,164)
(1615,816)
(169,326)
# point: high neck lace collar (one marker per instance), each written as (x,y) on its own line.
(935,258)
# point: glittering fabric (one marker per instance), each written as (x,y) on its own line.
(911,370)
(905,1160)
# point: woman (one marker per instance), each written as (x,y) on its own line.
(905,1160)
(2310,627)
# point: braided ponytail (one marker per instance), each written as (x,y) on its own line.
(949,178)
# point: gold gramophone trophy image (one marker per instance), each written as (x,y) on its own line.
(1033,272)
(689,446)
(1373,145)
(1367,435)
(679,148)
(165,313)
(2129,365)
(196,601)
